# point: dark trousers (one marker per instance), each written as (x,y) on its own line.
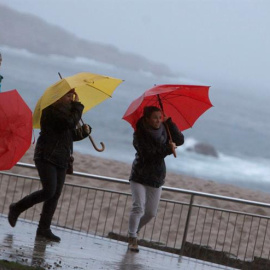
(52,180)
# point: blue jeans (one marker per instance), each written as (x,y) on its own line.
(52,179)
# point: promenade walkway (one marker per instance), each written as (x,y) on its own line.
(82,251)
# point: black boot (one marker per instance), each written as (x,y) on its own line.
(13,215)
(47,234)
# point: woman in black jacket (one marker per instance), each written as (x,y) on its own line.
(148,169)
(52,153)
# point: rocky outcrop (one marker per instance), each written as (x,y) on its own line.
(204,149)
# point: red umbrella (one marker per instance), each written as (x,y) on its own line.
(183,103)
(15,128)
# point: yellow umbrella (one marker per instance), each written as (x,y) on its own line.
(91,88)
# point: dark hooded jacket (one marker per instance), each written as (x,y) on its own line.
(148,167)
(58,131)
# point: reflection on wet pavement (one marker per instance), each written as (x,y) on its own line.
(81,251)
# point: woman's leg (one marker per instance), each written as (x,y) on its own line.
(50,204)
(138,192)
(151,205)
(48,177)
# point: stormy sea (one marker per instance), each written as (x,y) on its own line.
(228,144)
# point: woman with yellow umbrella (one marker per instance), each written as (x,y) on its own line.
(52,153)
(57,114)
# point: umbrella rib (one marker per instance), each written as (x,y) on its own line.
(180,95)
(99,90)
(179,113)
(155,103)
(177,95)
(207,103)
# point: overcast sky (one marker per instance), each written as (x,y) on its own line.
(225,40)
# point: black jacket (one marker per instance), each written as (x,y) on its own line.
(148,167)
(58,131)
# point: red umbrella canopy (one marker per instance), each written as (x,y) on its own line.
(15,128)
(183,103)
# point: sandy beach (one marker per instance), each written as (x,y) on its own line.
(111,168)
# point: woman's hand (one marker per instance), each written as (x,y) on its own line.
(165,118)
(76,97)
(87,128)
(172,144)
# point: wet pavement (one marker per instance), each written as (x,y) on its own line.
(82,251)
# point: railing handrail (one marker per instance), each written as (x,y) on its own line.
(172,189)
(184,225)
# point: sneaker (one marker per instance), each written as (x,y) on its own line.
(132,244)
(48,235)
(13,215)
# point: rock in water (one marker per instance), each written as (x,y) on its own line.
(204,149)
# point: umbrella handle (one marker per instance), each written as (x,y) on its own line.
(173,150)
(94,145)
(170,138)
(166,126)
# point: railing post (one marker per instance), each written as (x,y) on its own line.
(187,225)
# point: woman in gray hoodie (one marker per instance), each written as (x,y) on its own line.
(148,171)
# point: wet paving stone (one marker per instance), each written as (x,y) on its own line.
(85,252)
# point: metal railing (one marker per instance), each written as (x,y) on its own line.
(196,224)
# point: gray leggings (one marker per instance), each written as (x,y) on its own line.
(145,202)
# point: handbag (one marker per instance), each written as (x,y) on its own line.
(70,165)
